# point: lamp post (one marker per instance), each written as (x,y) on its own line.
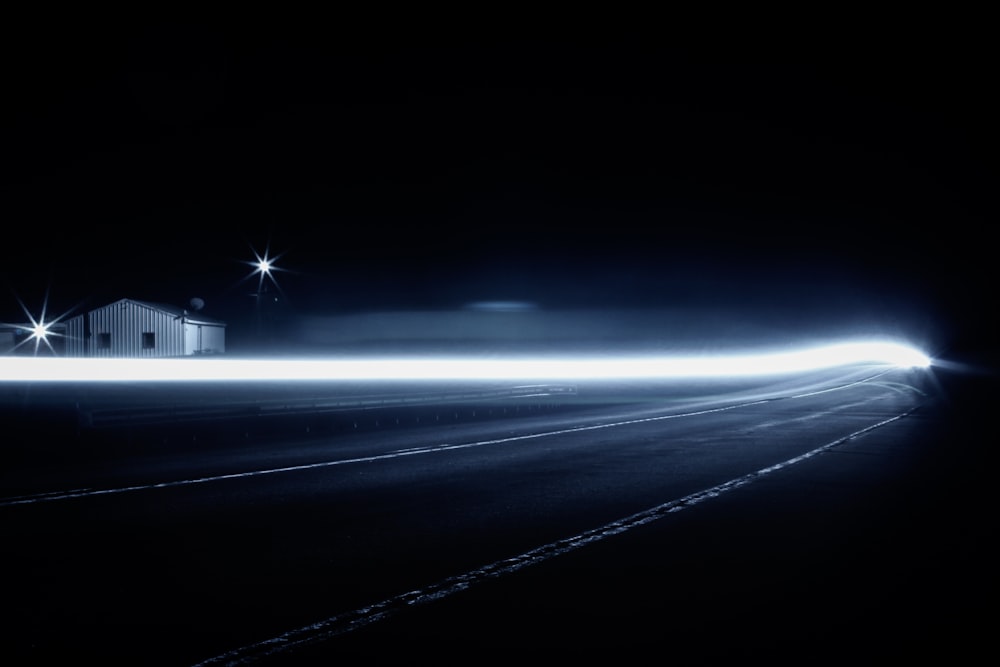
(264,267)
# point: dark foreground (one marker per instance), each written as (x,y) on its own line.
(886,554)
(878,551)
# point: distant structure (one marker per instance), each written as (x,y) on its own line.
(141,329)
(8,338)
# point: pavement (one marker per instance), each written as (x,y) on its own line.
(881,551)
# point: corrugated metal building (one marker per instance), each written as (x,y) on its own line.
(129,328)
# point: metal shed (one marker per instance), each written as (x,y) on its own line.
(8,339)
(141,329)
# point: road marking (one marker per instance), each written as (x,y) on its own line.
(90,493)
(352,620)
(52,496)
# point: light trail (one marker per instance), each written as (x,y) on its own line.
(454,368)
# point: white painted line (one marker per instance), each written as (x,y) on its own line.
(358,618)
(89,493)
(430,449)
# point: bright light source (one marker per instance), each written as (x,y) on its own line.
(514,368)
(264,267)
(41,329)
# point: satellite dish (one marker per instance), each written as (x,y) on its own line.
(197,304)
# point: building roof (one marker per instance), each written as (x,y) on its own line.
(189,316)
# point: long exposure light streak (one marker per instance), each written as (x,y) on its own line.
(431,368)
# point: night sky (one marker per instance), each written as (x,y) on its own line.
(413,167)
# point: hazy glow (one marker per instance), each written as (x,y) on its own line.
(78,369)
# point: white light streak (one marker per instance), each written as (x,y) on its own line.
(79,369)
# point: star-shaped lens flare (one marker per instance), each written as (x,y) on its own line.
(41,330)
(264,268)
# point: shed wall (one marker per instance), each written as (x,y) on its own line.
(204,339)
(76,336)
(117,331)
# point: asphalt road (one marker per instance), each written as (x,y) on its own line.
(780,523)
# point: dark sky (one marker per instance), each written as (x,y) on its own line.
(413,167)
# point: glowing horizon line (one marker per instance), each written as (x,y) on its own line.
(431,368)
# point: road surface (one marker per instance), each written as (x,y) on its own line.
(834,516)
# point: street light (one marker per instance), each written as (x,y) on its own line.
(40,330)
(264,267)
